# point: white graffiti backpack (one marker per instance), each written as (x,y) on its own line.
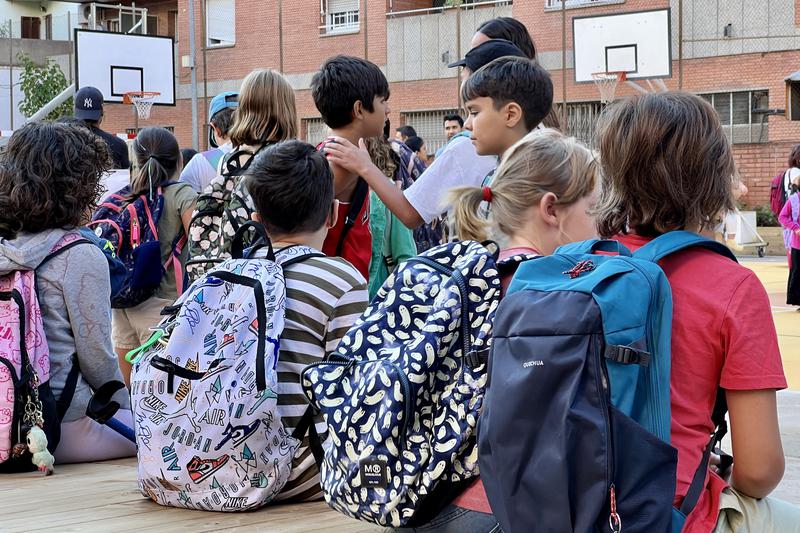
(402,393)
(204,389)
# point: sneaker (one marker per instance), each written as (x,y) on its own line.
(238,434)
(200,469)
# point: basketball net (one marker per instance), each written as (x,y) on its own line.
(607,84)
(143,101)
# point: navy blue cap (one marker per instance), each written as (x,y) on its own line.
(486,52)
(89,104)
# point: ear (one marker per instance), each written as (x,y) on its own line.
(547,209)
(333,218)
(358,110)
(256,217)
(513,114)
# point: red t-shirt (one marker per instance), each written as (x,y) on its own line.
(357,247)
(474,497)
(722,335)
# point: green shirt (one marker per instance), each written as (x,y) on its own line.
(178,198)
(398,245)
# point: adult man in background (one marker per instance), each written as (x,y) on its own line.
(89,109)
(453,125)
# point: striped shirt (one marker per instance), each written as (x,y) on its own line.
(324,297)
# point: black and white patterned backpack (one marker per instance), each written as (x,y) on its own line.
(402,393)
(220,211)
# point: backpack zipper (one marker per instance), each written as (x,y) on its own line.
(605,389)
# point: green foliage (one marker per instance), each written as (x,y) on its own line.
(39,85)
(5,29)
(765,217)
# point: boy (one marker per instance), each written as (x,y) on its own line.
(292,189)
(351,95)
(667,166)
(511,98)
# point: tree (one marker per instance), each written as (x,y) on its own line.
(39,85)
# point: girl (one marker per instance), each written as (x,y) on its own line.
(544,189)
(158,163)
(392,242)
(49,182)
(667,165)
(790,220)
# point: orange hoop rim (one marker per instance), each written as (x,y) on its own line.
(127,98)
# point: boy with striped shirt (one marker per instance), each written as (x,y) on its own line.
(292,189)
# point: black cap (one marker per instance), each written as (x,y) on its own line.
(89,104)
(486,52)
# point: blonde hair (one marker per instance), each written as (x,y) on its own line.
(266,110)
(543,161)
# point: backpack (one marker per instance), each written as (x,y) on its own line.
(576,417)
(204,389)
(402,393)
(219,213)
(777,193)
(25,367)
(132,229)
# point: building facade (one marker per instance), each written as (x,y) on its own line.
(735,53)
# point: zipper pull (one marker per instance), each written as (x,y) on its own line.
(580,268)
(614,521)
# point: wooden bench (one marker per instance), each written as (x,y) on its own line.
(104,497)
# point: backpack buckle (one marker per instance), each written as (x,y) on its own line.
(476,358)
(625,355)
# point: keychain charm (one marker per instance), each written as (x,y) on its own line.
(35,438)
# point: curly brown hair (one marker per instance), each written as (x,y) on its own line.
(50,177)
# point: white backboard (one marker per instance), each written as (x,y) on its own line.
(638,43)
(116,63)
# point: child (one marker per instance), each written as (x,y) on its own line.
(292,188)
(790,220)
(351,95)
(392,242)
(667,166)
(545,187)
(506,99)
(157,163)
(49,181)
(200,171)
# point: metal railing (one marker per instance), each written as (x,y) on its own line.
(433,10)
(576,4)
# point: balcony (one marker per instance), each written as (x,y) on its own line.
(556,5)
(421,42)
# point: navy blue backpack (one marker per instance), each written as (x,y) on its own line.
(131,226)
(576,417)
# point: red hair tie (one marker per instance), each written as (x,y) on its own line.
(487,194)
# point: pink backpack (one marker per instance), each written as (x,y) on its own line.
(25,395)
(777,193)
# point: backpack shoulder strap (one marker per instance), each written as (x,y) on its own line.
(675,241)
(52,255)
(357,203)
(510,264)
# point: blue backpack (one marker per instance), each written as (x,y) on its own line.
(132,229)
(576,417)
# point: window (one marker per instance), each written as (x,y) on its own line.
(340,16)
(220,23)
(574,4)
(429,126)
(735,110)
(30,27)
(316,130)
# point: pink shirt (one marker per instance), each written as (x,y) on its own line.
(789,219)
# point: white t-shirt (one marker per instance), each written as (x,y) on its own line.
(789,177)
(114,181)
(199,171)
(459,164)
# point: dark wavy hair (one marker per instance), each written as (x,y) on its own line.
(50,177)
(794,156)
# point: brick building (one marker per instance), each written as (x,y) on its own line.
(733,52)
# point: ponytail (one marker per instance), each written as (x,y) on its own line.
(157,158)
(468,223)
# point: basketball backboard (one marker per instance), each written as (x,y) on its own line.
(638,43)
(116,63)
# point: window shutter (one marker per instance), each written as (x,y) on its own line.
(221,22)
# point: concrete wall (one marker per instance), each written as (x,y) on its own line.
(37,49)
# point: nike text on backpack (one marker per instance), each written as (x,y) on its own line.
(131,226)
(204,389)
(25,396)
(777,193)
(402,393)
(576,418)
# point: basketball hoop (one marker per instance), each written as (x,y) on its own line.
(607,84)
(143,101)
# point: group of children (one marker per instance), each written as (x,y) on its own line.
(663,164)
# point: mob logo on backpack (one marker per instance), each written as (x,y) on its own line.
(204,390)
(576,418)
(131,226)
(402,393)
(25,366)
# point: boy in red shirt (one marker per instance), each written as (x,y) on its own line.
(667,166)
(351,95)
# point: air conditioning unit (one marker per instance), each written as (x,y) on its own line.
(84,14)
